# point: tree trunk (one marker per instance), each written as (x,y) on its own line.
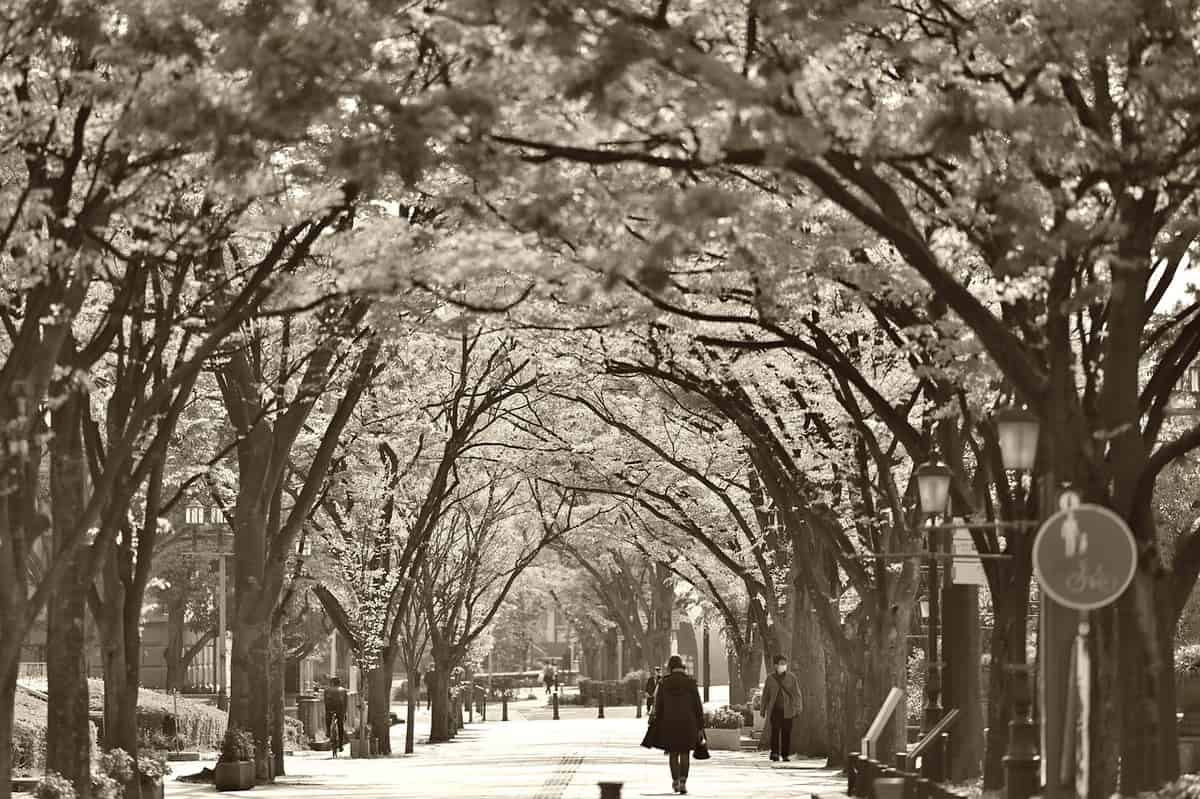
(961,680)
(250,665)
(278,670)
(738,695)
(838,713)
(410,715)
(8,697)
(809,659)
(1149,738)
(68,740)
(379,699)
(750,669)
(662,603)
(1010,602)
(439,719)
(120,648)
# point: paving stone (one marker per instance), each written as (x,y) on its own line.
(538,759)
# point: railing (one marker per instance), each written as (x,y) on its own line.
(31,671)
(869,778)
(936,741)
(871,739)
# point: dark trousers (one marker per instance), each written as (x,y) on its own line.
(679,762)
(781,733)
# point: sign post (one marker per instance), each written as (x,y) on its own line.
(1084,557)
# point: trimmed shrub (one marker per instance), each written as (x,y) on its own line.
(1187,659)
(725,718)
(1186,787)
(54,786)
(293,734)
(29,734)
(747,714)
(198,725)
(237,746)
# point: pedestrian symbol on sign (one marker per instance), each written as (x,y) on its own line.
(1084,555)
(1074,539)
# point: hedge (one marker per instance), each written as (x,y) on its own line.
(197,725)
(616,692)
(29,733)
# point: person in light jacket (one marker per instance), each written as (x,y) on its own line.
(677,721)
(781,706)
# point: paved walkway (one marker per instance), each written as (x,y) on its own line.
(530,759)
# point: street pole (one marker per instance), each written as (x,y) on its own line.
(707,665)
(1056,638)
(933,705)
(222,684)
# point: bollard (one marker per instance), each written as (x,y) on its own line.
(867,777)
(600,703)
(852,766)
(610,790)
(1022,763)
(504,708)
(638,702)
(554,702)
(889,788)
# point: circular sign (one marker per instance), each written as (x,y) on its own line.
(1084,556)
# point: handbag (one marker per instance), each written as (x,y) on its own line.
(701,750)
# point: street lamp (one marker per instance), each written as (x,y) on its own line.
(933,486)
(1017,429)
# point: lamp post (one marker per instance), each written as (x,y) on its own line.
(1017,431)
(933,486)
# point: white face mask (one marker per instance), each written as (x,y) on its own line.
(781,669)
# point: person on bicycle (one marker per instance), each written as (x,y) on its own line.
(336,699)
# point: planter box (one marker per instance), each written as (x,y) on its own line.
(726,740)
(151,788)
(360,748)
(237,776)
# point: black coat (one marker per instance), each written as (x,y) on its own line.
(678,713)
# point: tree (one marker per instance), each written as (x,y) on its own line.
(1032,182)
(383,516)
(482,547)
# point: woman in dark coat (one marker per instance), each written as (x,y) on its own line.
(678,720)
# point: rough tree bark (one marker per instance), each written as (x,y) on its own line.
(278,670)
(1007,648)
(439,718)
(379,699)
(410,715)
(808,655)
(68,741)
